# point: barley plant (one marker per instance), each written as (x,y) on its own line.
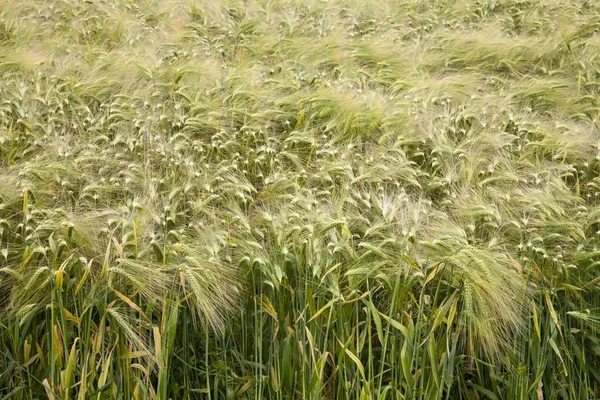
(300,199)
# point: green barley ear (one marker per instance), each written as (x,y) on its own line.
(493,294)
(207,279)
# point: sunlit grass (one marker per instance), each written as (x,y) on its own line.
(299,199)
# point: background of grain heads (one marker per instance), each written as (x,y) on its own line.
(299,199)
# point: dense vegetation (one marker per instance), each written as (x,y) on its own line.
(300,199)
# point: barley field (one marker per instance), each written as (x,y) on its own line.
(300,199)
